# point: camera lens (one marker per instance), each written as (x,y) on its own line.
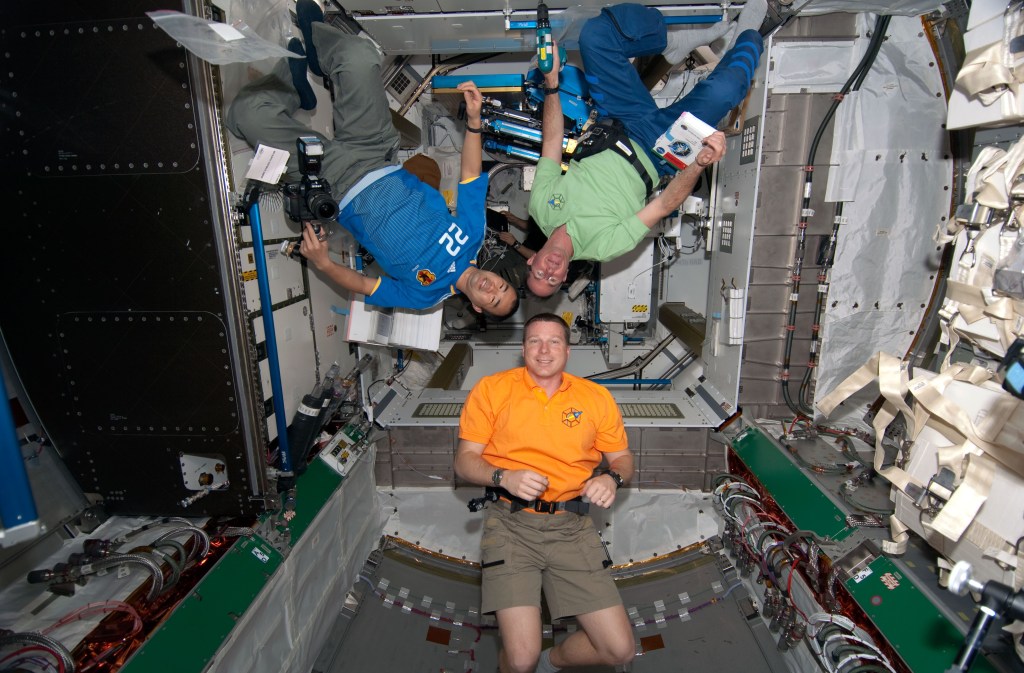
(322,206)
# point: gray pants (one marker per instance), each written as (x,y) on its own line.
(364,137)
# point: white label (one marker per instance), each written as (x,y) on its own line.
(268,165)
(862,575)
(260,554)
(307,410)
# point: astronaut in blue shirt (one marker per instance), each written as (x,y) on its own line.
(427,253)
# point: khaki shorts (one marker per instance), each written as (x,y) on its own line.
(562,554)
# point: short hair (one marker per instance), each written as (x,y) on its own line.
(498,318)
(425,168)
(547,317)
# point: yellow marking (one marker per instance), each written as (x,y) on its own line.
(249,275)
(639,308)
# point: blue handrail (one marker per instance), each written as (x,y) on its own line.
(17,508)
(269,335)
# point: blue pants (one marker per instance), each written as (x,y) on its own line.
(619,33)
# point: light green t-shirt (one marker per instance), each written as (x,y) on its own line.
(597,199)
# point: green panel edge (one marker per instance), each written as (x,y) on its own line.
(923,637)
(801,500)
(191,636)
(315,488)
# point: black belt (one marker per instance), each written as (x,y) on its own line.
(575,506)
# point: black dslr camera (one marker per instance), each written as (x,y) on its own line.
(310,199)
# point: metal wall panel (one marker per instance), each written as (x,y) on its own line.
(117,303)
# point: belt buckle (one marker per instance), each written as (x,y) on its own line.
(545,507)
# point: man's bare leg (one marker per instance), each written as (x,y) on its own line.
(520,639)
(606,638)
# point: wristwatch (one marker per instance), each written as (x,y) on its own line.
(516,245)
(616,477)
(496,476)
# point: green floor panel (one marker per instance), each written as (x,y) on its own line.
(923,637)
(191,636)
(801,500)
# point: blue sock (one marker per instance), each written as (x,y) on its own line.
(307,99)
(306,13)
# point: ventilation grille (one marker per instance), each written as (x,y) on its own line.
(628,409)
(650,410)
(402,80)
(438,410)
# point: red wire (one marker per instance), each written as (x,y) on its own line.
(789,592)
(99,608)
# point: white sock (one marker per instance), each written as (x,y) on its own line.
(684,40)
(545,665)
(752,15)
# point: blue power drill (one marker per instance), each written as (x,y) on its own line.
(545,59)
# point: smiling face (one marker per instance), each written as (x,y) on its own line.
(490,292)
(545,350)
(548,270)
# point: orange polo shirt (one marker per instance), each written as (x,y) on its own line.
(562,437)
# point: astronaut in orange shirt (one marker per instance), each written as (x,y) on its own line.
(538,437)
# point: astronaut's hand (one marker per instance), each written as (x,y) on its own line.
(314,248)
(525,484)
(600,490)
(474,101)
(507,238)
(516,221)
(551,78)
(713,151)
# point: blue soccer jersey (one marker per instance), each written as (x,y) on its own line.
(406,226)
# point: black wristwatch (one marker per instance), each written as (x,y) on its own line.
(616,477)
(496,476)
(516,245)
(550,90)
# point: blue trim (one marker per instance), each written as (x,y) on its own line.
(669,21)
(270,336)
(630,382)
(512,150)
(516,130)
(690,20)
(17,508)
(503,81)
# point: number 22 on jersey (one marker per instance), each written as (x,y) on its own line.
(451,237)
